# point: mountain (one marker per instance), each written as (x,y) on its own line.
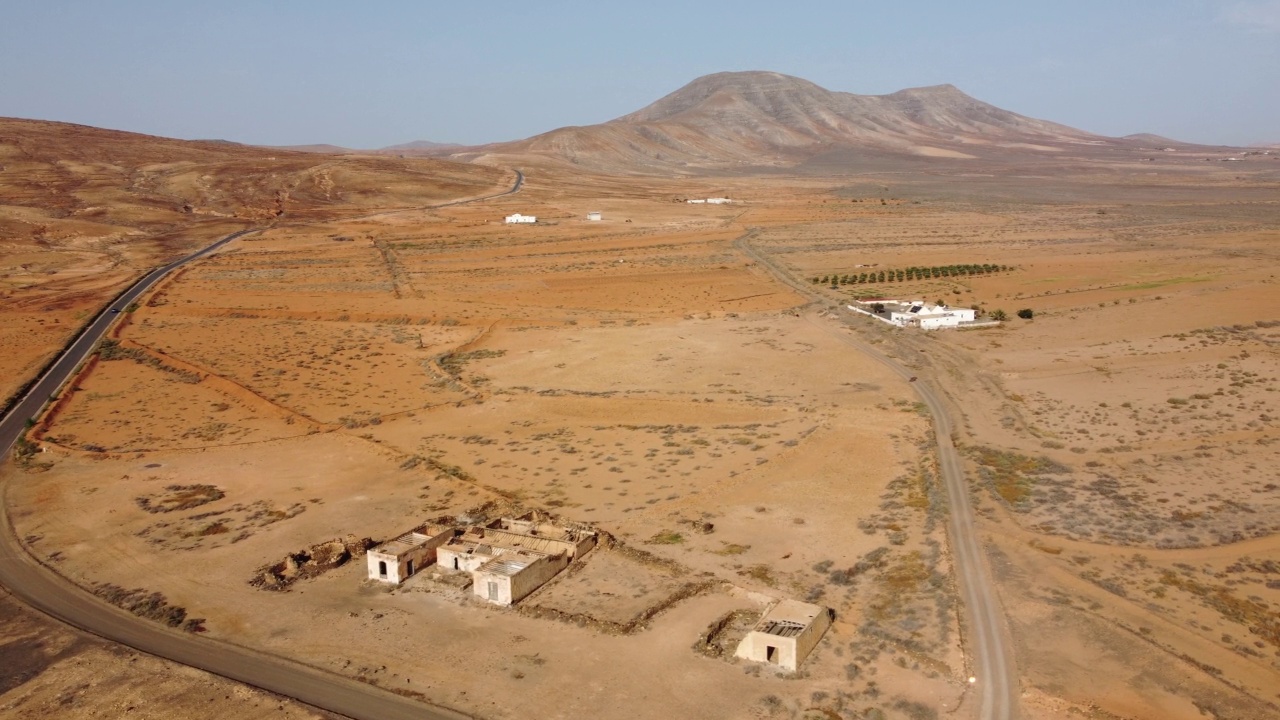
(767,118)
(418,146)
(61,182)
(322,148)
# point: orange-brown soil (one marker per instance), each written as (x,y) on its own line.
(641,373)
(85,211)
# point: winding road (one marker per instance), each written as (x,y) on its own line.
(47,591)
(989,649)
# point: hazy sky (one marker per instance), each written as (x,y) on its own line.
(369,74)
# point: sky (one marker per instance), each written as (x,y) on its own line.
(381,72)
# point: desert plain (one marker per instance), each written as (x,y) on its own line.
(688,380)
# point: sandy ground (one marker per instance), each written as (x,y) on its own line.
(638,373)
(84,211)
(52,671)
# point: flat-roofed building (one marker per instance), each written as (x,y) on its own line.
(397,560)
(509,578)
(532,552)
(786,634)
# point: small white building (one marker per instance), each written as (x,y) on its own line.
(785,636)
(518,218)
(696,202)
(507,579)
(397,560)
(718,201)
(595,216)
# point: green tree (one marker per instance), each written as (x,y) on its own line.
(1026,313)
(999,315)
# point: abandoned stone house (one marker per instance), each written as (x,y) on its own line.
(786,634)
(512,557)
(507,559)
(397,560)
(507,579)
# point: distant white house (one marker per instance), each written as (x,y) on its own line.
(696,202)
(594,216)
(718,201)
(518,218)
(916,314)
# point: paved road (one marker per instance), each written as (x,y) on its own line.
(14,422)
(45,590)
(990,654)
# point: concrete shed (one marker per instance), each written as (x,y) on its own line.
(785,636)
(397,560)
(509,578)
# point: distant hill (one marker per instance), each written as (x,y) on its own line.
(1152,140)
(767,118)
(53,175)
(318,148)
(420,148)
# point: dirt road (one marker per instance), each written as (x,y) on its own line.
(996,679)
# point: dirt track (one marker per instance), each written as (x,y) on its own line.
(990,652)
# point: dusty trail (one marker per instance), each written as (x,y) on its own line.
(990,649)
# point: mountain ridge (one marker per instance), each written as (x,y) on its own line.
(772,119)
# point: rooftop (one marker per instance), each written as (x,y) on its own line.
(410,540)
(508,564)
(789,618)
(784,628)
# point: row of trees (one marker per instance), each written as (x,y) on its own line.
(911,273)
(1024,313)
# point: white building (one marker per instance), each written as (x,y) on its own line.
(594,216)
(507,579)
(518,218)
(511,557)
(696,202)
(397,560)
(785,636)
(718,201)
(916,313)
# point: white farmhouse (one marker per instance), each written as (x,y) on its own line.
(518,218)
(916,314)
(594,216)
(718,201)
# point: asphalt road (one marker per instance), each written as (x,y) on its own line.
(44,589)
(14,422)
(989,651)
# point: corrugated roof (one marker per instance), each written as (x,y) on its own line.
(782,628)
(506,565)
